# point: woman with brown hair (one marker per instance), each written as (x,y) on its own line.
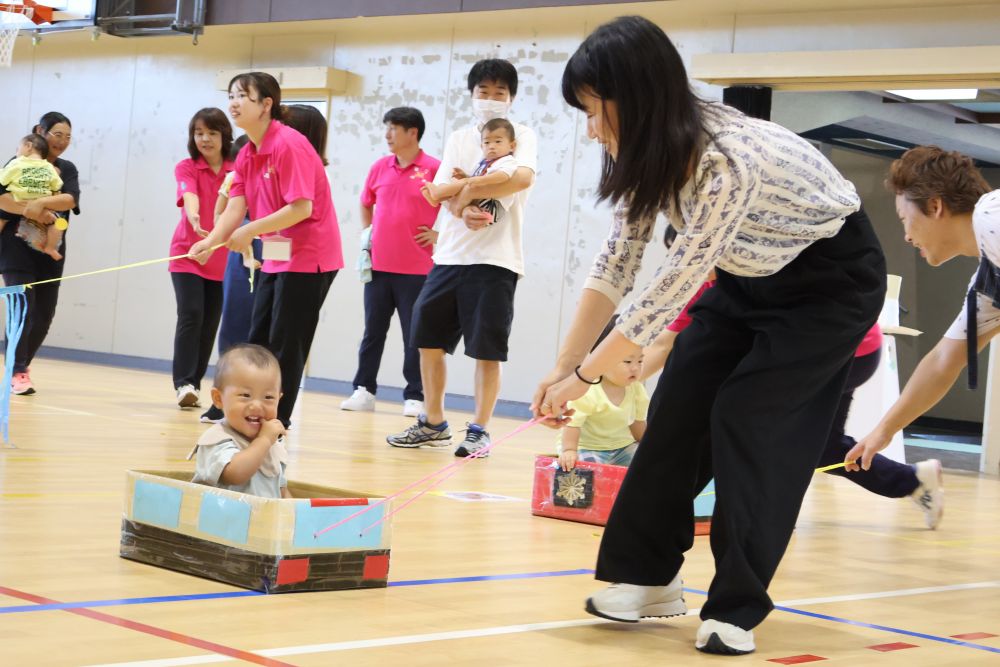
(198,287)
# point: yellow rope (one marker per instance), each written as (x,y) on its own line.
(823,469)
(133,265)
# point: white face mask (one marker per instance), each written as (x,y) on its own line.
(487,110)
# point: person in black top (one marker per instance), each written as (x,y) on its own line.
(21,264)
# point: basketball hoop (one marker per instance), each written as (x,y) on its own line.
(10,26)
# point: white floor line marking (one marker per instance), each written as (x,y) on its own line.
(508,629)
(56,409)
(890,594)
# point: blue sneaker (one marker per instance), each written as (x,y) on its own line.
(421,434)
(476,438)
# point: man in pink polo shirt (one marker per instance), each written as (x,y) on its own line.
(402,240)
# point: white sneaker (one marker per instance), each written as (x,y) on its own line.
(360,401)
(412,407)
(187,396)
(629,603)
(929,496)
(723,638)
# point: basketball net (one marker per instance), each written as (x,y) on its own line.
(9,28)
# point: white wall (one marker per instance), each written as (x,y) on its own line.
(130,101)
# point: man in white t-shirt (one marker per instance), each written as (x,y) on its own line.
(470,291)
(947,210)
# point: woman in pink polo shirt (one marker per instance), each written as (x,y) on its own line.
(198,286)
(280,181)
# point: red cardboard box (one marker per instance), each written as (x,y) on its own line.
(585,494)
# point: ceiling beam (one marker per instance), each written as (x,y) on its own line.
(867,69)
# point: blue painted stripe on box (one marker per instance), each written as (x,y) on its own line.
(943,445)
(309,520)
(704,504)
(156,504)
(224,517)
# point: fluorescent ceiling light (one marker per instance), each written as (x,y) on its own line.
(870,144)
(937,94)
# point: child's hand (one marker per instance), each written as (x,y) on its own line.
(458,174)
(195,220)
(272,429)
(567,460)
(426,237)
(241,241)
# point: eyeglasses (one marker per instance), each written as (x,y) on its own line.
(60,136)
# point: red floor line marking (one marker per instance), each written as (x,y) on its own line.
(796,659)
(151,630)
(974,635)
(895,646)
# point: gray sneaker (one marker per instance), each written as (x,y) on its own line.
(475,440)
(421,434)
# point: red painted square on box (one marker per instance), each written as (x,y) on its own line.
(292,571)
(376,567)
(601,492)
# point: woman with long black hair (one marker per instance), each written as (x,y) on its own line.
(21,264)
(750,390)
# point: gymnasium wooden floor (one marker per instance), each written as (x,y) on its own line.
(863,583)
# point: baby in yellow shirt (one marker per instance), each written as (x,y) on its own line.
(609,420)
(31,176)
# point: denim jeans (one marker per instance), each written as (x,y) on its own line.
(612,457)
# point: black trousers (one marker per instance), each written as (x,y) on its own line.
(42,302)
(385,294)
(748,397)
(285,315)
(199,307)
(885,477)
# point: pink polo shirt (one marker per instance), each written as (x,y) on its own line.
(284,169)
(871,342)
(683,319)
(400,211)
(197,177)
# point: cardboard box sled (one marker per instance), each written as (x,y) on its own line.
(587,493)
(264,544)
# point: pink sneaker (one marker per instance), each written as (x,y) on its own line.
(21,384)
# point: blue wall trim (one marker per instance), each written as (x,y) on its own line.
(515,409)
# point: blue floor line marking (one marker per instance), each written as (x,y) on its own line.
(241,594)
(126,601)
(498,577)
(886,628)
(453,580)
(874,626)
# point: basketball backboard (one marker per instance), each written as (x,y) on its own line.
(66,15)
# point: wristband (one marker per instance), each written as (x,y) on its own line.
(585,380)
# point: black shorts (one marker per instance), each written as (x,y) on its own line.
(475,302)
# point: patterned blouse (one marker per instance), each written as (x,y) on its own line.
(759,196)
